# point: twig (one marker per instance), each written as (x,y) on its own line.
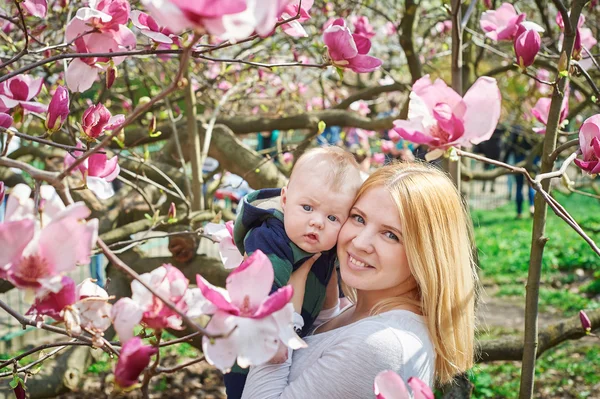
(180,366)
(560,172)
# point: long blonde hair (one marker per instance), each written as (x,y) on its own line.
(437,236)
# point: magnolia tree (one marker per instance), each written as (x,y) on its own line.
(99,92)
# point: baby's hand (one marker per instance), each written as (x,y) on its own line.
(281,356)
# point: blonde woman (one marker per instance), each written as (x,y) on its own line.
(406,262)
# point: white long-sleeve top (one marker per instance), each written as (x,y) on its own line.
(342,363)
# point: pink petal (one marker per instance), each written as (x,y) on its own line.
(6,120)
(230,254)
(276,301)
(221,353)
(339,42)
(58,108)
(134,358)
(14,237)
(589,130)
(363,45)
(483,101)
(414,131)
(80,76)
(53,303)
(213,295)
(211,8)
(389,385)
(37,8)
(285,324)
(420,389)
(364,63)
(125,315)
(251,282)
(34,106)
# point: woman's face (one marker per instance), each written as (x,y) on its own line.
(370,246)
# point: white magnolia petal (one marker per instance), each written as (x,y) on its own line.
(284,319)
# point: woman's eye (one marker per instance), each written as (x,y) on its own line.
(332,218)
(307,208)
(391,236)
(358,218)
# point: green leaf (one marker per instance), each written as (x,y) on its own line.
(15,381)
(155,134)
(340,72)
(322,125)
(148,216)
(264,107)
(564,73)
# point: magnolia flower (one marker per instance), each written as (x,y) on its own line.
(150,28)
(363,27)
(440,118)
(6,120)
(389,28)
(378,158)
(19,91)
(542,108)
(97,171)
(443,27)
(584,37)
(144,307)
(106,19)
(589,142)
(246,312)
(134,358)
(97,119)
(361,107)
(58,108)
(501,24)
(52,303)
(287,157)
(347,50)
(294,28)
(586,324)
(1,192)
(527,44)
(36,259)
(37,8)
(223,234)
(389,385)
(20,206)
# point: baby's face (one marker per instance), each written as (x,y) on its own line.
(314,214)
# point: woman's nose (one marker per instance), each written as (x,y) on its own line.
(363,241)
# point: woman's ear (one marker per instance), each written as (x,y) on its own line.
(283,198)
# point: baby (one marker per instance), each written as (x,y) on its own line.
(316,203)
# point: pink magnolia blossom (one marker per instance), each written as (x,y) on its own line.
(378,158)
(226,19)
(386,146)
(394,136)
(589,142)
(97,171)
(1,192)
(19,91)
(6,120)
(134,358)
(247,311)
(223,233)
(389,385)
(502,23)
(287,157)
(150,28)
(440,118)
(97,119)
(389,29)
(363,27)
(37,8)
(20,205)
(361,107)
(107,20)
(36,259)
(586,324)
(58,109)
(52,303)
(443,27)
(294,28)
(527,45)
(584,37)
(542,108)
(144,307)
(347,50)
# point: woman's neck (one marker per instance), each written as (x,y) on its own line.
(367,301)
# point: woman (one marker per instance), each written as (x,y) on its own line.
(406,262)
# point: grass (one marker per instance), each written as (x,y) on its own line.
(570,369)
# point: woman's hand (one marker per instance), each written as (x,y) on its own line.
(298,282)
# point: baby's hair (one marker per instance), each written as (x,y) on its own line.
(337,166)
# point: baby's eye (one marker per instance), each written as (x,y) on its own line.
(391,236)
(332,218)
(307,208)
(358,218)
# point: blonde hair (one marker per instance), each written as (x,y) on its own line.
(437,236)
(337,166)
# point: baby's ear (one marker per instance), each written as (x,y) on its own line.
(283,198)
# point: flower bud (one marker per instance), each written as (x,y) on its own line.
(58,108)
(111,75)
(134,358)
(152,125)
(527,45)
(585,321)
(1,192)
(287,157)
(172,211)
(5,120)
